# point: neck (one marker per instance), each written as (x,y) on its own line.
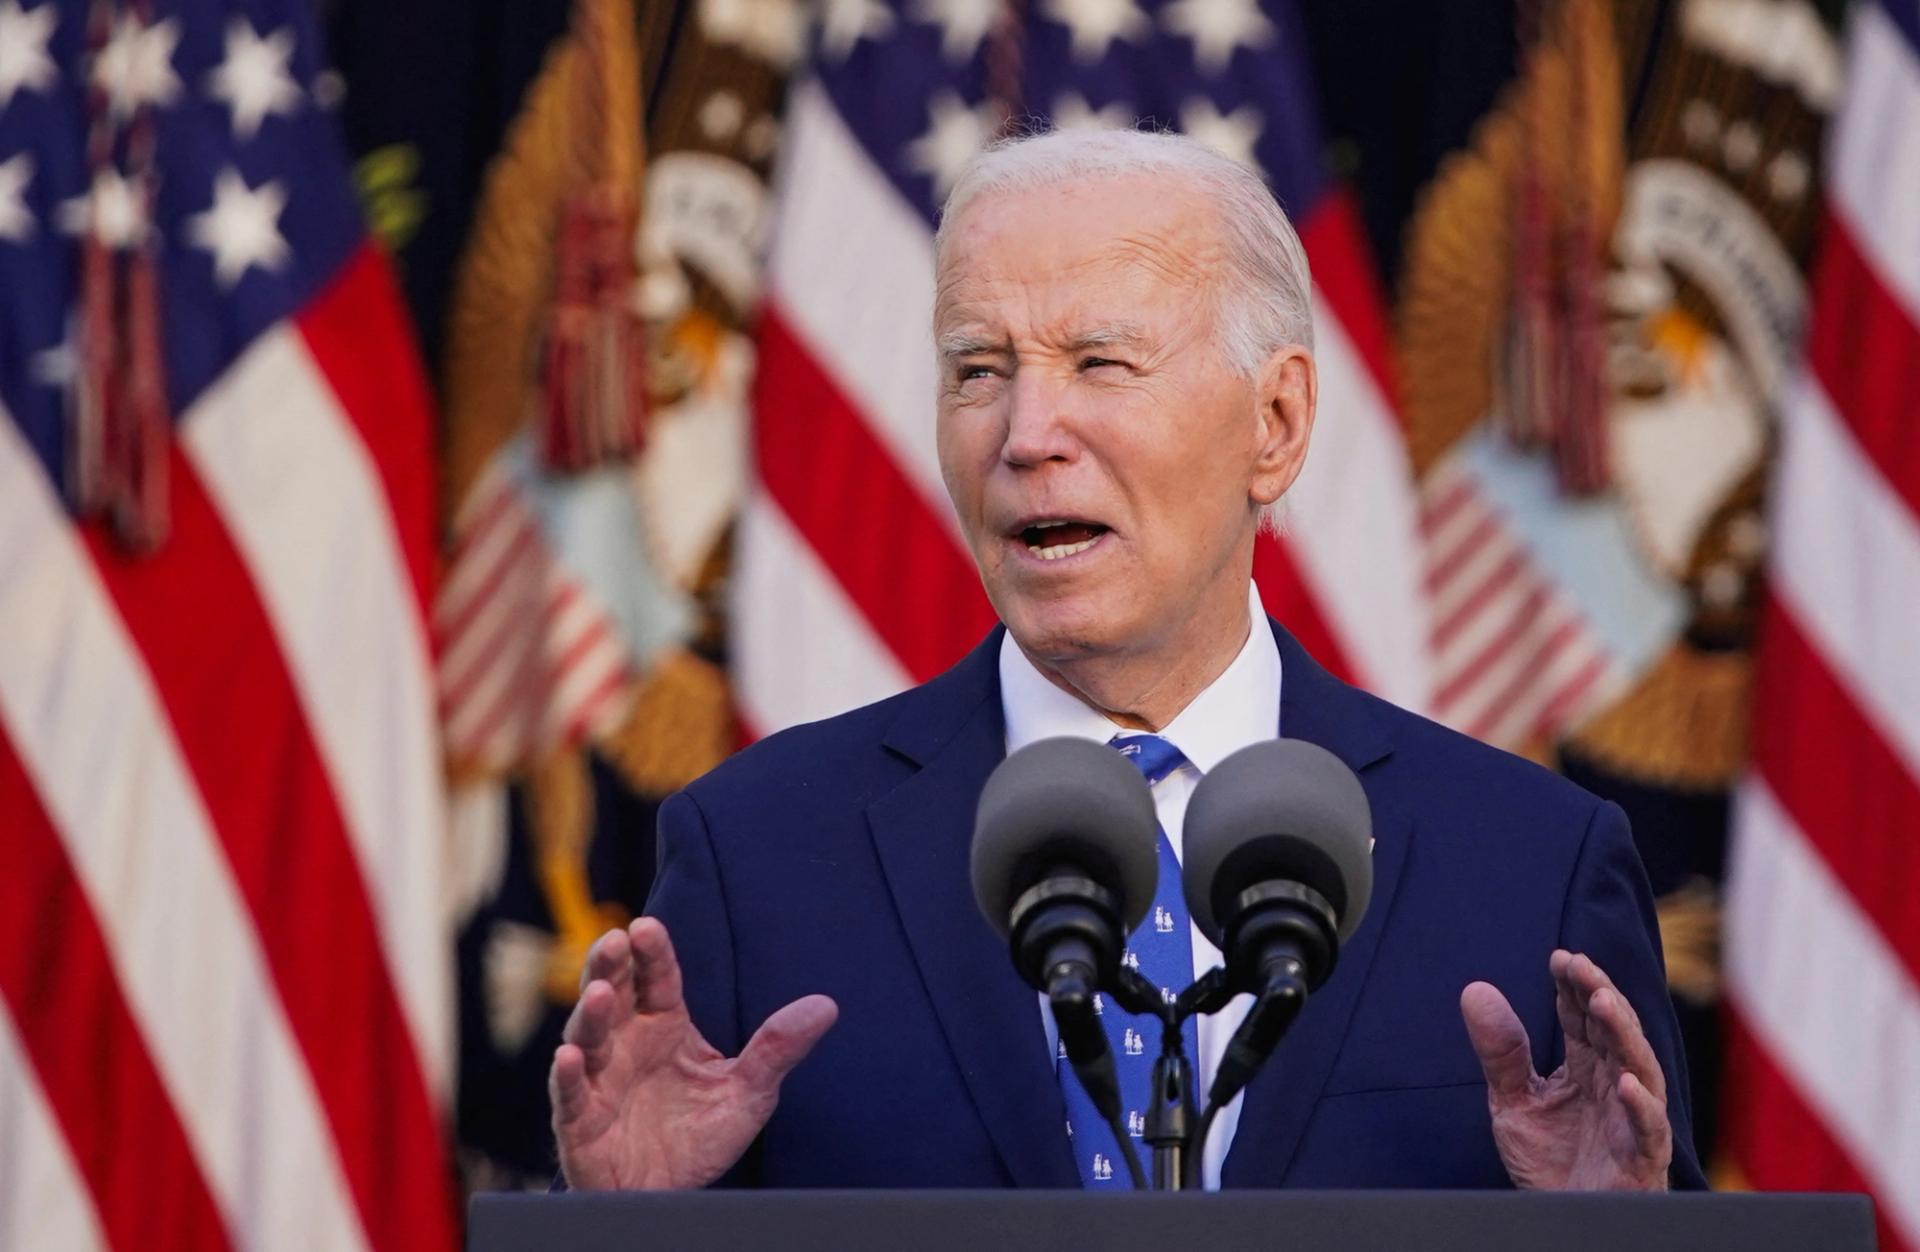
(1146,690)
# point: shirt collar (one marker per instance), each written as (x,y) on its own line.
(1240,707)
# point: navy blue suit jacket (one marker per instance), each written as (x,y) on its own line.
(833,858)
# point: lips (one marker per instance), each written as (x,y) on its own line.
(1054,539)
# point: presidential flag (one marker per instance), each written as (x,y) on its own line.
(576,621)
(1822,933)
(224,977)
(1631,224)
(851,581)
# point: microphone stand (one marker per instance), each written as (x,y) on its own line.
(1273,1011)
(1169,1127)
(1179,1144)
(1170,1120)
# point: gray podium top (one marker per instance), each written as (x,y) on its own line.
(1013,1221)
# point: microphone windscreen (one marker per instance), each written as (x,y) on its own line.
(1065,802)
(1283,809)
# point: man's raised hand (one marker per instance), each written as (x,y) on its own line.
(1597,1123)
(640,1099)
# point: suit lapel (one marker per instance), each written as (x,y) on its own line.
(1321,709)
(954,730)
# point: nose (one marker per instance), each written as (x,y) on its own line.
(1038,428)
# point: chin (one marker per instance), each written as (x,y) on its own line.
(1066,627)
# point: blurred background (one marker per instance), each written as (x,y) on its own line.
(436,430)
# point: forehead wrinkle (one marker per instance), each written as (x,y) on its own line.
(957,286)
(1176,257)
(1184,256)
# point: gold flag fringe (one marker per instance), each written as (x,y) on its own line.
(679,727)
(1684,725)
(1690,936)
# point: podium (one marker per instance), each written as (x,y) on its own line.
(1063,1221)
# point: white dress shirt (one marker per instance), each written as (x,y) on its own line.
(1239,708)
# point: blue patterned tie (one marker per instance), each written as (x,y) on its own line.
(1162,949)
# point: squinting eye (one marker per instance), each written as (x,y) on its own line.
(1095,362)
(970,372)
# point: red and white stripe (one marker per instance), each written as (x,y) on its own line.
(1354,529)
(222,957)
(1514,659)
(851,581)
(37,1162)
(529,660)
(1823,938)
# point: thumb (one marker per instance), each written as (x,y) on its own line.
(783,1041)
(1499,1040)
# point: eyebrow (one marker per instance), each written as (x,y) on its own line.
(961,344)
(1108,335)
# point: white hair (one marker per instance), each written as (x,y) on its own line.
(1266,299)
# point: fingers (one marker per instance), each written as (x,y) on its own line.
(592,1023)
(656,970)
(570,1094)
(567,1087)
(1499,1040)
(1606,1020)
(1579,971)
(1569,1001)
(1616,1028)
(608,960)
(631,971)
(1647,1115)
(783,1041)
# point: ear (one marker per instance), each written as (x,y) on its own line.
(1288,389)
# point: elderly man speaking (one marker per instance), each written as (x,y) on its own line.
(1127,391)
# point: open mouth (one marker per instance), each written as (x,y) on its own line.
(1057,539)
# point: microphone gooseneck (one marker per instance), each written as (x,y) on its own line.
(1277,872)
(1064,863)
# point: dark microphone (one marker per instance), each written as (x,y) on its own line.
(1065,858)
(1277,870)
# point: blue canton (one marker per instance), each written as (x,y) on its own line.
(924,85)
(252,212)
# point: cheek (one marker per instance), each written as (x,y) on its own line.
(963,442)
(1195,484)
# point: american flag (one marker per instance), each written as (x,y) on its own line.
(1823,925)
(851,581)
(224,993)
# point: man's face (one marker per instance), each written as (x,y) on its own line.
(1105,460)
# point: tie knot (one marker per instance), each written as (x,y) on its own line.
(1151,755)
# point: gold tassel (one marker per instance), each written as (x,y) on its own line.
(1475,323)
(680,726)
(540,318)
(1684,725)
(1690,937)
(593,366)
